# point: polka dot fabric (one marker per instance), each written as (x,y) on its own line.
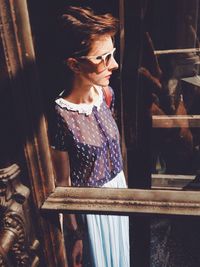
(90,135)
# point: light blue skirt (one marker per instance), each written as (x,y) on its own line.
(107,241)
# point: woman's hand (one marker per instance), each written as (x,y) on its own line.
(77,253)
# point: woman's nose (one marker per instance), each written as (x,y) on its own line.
(113,65)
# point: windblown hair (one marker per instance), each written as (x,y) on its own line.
(80,27)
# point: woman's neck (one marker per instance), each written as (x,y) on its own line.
(82,93)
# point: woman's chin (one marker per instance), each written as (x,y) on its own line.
(104,83)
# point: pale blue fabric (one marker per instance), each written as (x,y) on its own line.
(108,236)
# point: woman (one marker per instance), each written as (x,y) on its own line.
(86,145)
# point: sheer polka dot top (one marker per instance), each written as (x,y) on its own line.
(90,135)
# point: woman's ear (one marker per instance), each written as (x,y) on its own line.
(73,64)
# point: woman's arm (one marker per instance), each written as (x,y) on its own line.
(62,171)
(61,167)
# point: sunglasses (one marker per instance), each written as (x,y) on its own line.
(106,58)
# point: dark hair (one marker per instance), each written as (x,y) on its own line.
(80,26)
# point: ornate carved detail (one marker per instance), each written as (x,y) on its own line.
(17,246)
(2,259)
(13,222)
(2,262)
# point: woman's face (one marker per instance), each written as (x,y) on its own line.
(97,67)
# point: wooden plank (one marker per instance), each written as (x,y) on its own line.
(170,181)
(176,51)
(175,121)
(123,201)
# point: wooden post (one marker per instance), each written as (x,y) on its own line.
(20,58)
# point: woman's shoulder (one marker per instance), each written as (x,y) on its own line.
(63,103)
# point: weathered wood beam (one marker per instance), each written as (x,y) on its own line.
(104,200)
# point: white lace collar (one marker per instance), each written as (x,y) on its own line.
(81,108)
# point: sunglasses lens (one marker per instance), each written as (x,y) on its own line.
(108,58)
